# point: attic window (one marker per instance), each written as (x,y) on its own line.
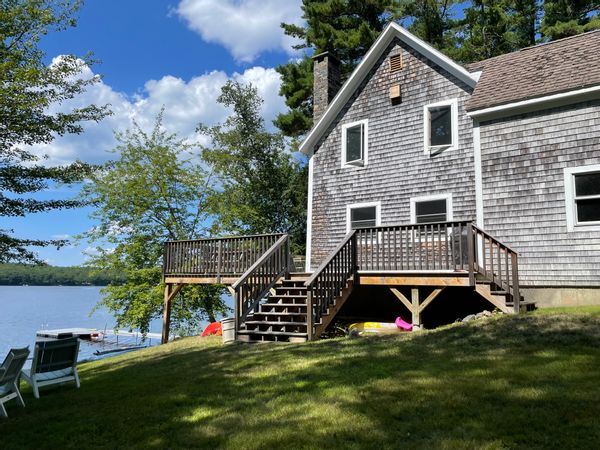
(396,63)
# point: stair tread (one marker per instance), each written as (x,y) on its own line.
(284,304)
(274,333)
(284,296)
(264,322)
(275,313)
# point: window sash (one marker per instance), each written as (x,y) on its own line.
(429,215)
(358,132)
(363,222)
(440,117)
(580,200)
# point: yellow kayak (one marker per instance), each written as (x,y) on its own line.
(373,327)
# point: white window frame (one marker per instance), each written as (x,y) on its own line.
(428,198)
(572,223)
(361,162)
(352,206)
(453,103)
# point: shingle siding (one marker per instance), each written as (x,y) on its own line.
(398,167)
(523,162)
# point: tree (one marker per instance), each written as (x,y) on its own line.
(431,20)
(346,27)
(262,187)
(563,18)
(156,191)
(495,27)
(28,88)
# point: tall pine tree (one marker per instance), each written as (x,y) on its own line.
(494,27)
(563,18)
(346,27)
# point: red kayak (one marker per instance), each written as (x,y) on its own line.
(213,329)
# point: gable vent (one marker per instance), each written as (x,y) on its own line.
(396,63)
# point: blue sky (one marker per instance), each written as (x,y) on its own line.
(174,53)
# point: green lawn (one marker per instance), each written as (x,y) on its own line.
(506,382)
(593,310)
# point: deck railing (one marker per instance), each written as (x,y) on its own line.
(329,279)
(260,278)
(440,246)
(215,258)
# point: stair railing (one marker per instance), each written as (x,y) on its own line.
(329,279)
(260,278)
(498,263)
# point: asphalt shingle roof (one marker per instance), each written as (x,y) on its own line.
(560,66)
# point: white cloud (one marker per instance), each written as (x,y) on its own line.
(187,103)
(245,28)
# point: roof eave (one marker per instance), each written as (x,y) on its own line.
(535,104)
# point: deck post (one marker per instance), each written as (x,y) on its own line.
(166,315)
(354,257)
(236,312)
(471,254)
(309,315)
(416,312)
(515,281)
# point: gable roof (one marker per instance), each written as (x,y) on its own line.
(392,31)
(567,64)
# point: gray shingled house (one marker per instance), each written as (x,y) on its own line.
(475,187)
(512,143)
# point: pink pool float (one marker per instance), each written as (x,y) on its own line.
(403,325)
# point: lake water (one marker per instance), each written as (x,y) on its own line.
(27,309)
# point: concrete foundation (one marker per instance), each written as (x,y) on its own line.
(551,297)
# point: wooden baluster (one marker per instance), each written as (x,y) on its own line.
(491,259)
(471,254)
(439,246)
(515,284)
(499,266)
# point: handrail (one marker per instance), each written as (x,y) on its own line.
(260,278)
(498,263)
(329,279)
(260,261)
(333,253)
(226,238)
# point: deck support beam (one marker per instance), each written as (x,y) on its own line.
(414,305)
(171,290)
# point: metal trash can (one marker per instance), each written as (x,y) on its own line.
(228,327)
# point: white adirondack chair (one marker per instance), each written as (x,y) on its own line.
(9,377)
(54,362)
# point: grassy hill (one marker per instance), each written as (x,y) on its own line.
(509,382)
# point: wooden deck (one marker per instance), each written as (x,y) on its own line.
(273,304)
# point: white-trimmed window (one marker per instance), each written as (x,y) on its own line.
(431,208)
(582,196)
(355,143)
(361,215)
(440,125)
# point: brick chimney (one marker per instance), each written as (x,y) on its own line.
(326,82)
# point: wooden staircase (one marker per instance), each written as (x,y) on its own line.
(282,317)
(501,299)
